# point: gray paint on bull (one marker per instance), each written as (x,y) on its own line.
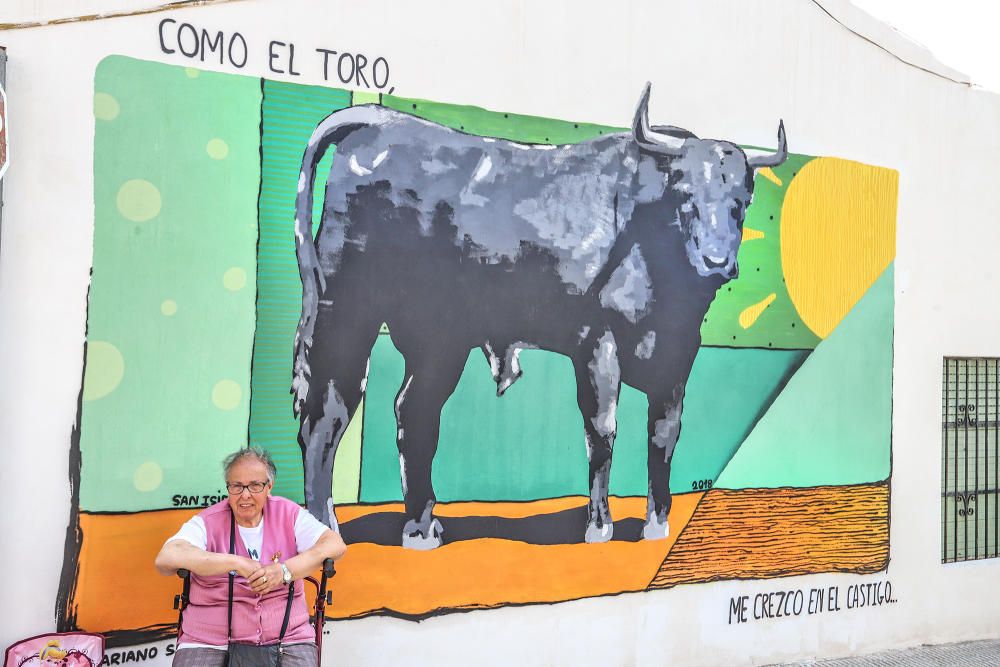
(713,178)
(425,533)
(557,198)
(605,379)
(666,430)
(629,290)
(592,250)
(506,368)
(644,350)
(656,526)
(322,446)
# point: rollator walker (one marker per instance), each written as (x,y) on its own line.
(323,598)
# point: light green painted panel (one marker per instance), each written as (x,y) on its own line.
(833,422)
(347,464)
(171,309)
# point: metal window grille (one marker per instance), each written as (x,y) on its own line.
(970,474)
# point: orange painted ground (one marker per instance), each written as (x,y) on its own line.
(489,572)
(118,588)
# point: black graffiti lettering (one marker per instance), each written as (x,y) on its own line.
(272,56)
(243,43)
(345,57)
(738,609)
(170,649)
(361,62)
(326,61)
(816,600)
(759,611)
(201,43)
(833,598)
(194,35)
(798,600)
(163,44)
(777,604)
(209,45)
(375,68)
(781,600)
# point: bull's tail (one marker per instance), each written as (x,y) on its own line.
(332,130)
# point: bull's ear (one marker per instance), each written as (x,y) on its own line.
(646,137)
(760,159)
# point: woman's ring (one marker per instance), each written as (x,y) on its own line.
(264,578)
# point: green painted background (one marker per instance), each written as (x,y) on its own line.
(158,431)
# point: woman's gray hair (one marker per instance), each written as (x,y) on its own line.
(252,452)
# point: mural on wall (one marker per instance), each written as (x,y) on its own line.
(488,306)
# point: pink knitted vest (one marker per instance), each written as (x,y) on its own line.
(256,619)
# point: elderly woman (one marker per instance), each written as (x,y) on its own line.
(269,542)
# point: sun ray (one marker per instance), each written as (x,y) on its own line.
(750,234)
(767,173)
(751,313)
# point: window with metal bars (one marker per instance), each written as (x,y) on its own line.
(970,474)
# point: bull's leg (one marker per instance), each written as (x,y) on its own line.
(664,426)
(598,380)
(430,378)
(337,366)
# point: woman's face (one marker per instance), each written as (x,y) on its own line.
(248,507)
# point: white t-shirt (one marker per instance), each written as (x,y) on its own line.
(307,532)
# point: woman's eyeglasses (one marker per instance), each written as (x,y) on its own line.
(236,489)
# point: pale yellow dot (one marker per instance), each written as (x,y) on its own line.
(191,72)
(217,149)
(234,279)
(105,369)
(226,394)
(168,307)
(139,200)
(105,106)
(148,476)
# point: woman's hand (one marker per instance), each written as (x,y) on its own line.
(266,579)
(245,567)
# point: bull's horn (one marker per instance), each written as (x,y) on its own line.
(645,136)
(759,159)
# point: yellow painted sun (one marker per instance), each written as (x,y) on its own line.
(838,234)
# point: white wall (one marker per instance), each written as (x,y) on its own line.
(723,69)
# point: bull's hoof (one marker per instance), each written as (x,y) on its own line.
(597,534)
(654,529)
(422,539)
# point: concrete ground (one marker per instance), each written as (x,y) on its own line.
(966,654)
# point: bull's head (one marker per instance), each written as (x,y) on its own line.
(714,181)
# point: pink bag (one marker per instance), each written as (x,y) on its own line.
(57,649)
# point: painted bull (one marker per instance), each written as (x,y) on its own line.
(609,251)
